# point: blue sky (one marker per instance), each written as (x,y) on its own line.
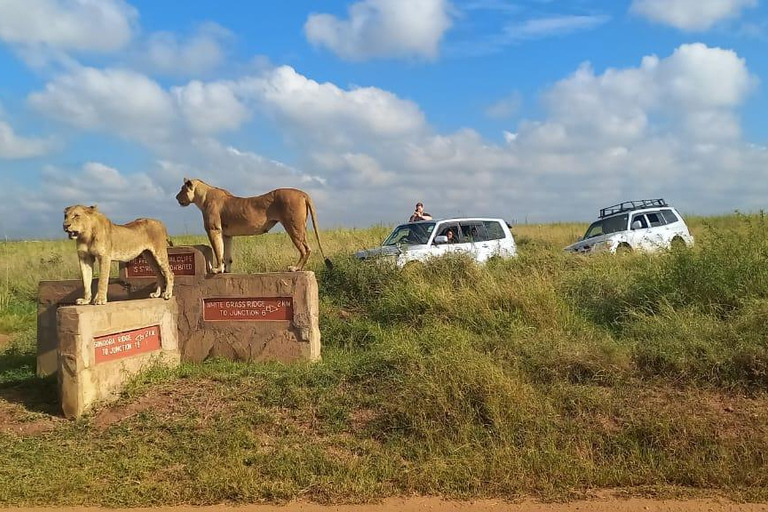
(536,110)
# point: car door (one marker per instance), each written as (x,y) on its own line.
(658,233)
(639,234)
(441,230)
(498,241)
(475,239)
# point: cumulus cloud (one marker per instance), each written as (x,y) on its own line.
(14,147)
(68,25)
(167,53)
(325,112)
(97,183)
(690,15)
(210,107)
(382,29)
(135,106)
(112,100)
(692,88)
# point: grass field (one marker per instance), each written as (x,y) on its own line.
(550,375)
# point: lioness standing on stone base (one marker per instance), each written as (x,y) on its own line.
(226,215)
(98,238)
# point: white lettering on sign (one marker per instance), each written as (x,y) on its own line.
(253,309)
(126,344)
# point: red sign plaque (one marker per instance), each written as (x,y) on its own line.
(126,344)
(182,264)
(247,309)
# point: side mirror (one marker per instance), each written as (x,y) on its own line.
(441,239)
(637,224)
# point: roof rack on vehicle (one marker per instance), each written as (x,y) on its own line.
(628,206)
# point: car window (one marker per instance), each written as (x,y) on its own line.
(669,216)
(654,219)
(607,226)
(473,232)
(641,219)
(494,230)
(410,234)
(443,230)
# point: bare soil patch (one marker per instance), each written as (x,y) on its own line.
(4,339)
(15,418)
(167,401)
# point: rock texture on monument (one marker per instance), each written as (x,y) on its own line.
(136,284)
(102,347)
(260,317)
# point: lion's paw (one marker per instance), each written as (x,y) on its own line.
(167,295)
(99,301)
(82,302)
(293,269)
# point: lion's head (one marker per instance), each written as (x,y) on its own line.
(186,195)
(78,220)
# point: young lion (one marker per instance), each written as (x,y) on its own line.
(98,238)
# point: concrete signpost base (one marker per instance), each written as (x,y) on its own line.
(102,347)
(260,317)
(243,317)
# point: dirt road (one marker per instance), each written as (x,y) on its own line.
(438,505)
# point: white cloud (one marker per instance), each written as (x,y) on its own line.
(135,106)
(538,28)
(325,112)
(13,147)
(97,183)
(196,55)
(383,28)
(690,15)
(692,88)
(506,107)
(112,100)
(69,25)
(210,107)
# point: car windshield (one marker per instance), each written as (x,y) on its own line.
(607,226)
(416,233)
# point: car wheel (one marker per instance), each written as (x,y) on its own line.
(624,248)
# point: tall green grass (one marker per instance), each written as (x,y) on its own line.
(549,374)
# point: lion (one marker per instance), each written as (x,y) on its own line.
(226,216)
(98,238)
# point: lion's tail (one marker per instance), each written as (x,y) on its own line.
(311,210)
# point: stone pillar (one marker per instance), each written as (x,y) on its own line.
(137,281)
(102,347)
(252,317)
(53,294)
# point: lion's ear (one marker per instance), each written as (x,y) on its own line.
(93,208)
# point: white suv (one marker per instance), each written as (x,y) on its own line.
(418,241)
(647,225)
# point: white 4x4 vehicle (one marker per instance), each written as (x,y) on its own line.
(647,225)
(418,241)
